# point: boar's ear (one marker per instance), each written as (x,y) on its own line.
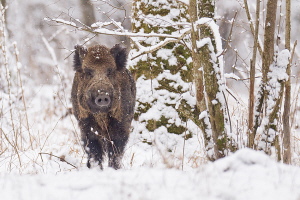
(80,53)
(120,55)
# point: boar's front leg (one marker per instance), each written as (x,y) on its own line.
(94,150)
(92,143)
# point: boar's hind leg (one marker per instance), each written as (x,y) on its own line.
(115,152)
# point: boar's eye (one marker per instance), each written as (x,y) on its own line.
(109,72)
(88,73)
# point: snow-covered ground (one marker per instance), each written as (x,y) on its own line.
(53,165)
(245,175)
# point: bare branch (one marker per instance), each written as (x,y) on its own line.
(252,26)
(145,50)
(229,37)
(106,31)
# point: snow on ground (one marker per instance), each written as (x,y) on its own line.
(40,171)
(245,175)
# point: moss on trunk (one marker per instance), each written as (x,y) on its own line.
(167,71)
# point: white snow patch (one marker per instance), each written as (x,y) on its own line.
(246,174)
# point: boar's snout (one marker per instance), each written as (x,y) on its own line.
(99,101)
(102,100)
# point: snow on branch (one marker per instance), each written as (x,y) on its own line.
(116,28)
(144,50)
(158,21)
(215,30)
(102,30)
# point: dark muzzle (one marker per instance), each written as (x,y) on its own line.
(102,100)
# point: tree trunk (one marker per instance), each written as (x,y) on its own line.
(268,55)
(269,41)
(209,82)
(251,134)
(162,76)
(199,83)
(88,13)
(268,107)
(287,101)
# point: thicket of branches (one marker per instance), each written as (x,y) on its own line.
(152,21)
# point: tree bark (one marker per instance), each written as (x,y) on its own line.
(287,101)
(208,80)
(268,56)
(268,53)
(269,104)
(251,134)
(199,82)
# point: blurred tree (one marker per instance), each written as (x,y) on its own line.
(3,2)
(88,13)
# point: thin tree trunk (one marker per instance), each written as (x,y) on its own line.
(268,57)
(199,82)
(268,53)
(271,88)
(251,134)
(251,24)
(287,102)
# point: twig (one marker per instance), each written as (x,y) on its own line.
(293,51)
(183,148)
(13,145)
(72,51)
(227,109)
(229,37)
(157,46)
(61,158)
(251,24)
(23,95)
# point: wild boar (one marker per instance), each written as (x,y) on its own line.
(103,99)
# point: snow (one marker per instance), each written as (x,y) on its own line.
(231,75)
(283,58)
(62,21)
(245,175)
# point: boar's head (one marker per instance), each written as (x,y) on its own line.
(99,70)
